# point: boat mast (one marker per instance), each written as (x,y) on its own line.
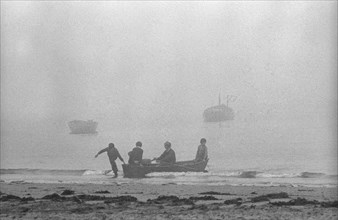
(219,99)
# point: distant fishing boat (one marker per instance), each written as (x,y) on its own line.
(83,127)
(220,112)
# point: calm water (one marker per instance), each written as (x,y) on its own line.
(259,152)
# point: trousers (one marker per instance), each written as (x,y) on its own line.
(113,167)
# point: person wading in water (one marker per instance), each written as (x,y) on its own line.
(113,154)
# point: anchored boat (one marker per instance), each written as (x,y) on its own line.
(139,171)
(220,112)
(83,127)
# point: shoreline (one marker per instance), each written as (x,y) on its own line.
(166,201)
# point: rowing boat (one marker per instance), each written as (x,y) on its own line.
(139,171)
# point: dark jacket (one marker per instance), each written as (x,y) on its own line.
(135,155)
(168,156)
(112,153)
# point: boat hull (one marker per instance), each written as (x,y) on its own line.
(140,171)
(218,113)
(82,127)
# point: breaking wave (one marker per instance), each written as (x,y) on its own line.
(97,172)
(42,172)
(246,174)
(236,174)
(54,172)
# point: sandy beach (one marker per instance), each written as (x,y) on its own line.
(21,200)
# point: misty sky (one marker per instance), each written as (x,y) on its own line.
(167,60)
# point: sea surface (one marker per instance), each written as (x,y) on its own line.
(297,152)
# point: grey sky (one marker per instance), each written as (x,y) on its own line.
(167,60)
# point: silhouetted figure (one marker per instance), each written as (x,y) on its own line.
(202,151)
(168,155)
(113,154)
(135,156)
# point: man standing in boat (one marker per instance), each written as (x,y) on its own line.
(135,156)
(168,155)
(202,151)
(113,154)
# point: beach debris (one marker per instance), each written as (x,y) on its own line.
(77,200)
(6,198)
(24,209)
(330,204)
(237,201)
(132,193)
(295,202)
(120,199)
(262,198)
(163,199)
(205,207)
(103,191)
(54,197)
(183,201)
(173,200)
(215,193)
(81,198)
(107,199)
(67,192)
(91,197)
(203,198)
(267,197)
(27,199)
(82,210)
(200,207)
(252,207)
(302,201)
(170,183)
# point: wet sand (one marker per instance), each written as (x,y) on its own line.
(22,200)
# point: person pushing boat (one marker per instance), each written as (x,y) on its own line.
(168,156)
(113,154)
